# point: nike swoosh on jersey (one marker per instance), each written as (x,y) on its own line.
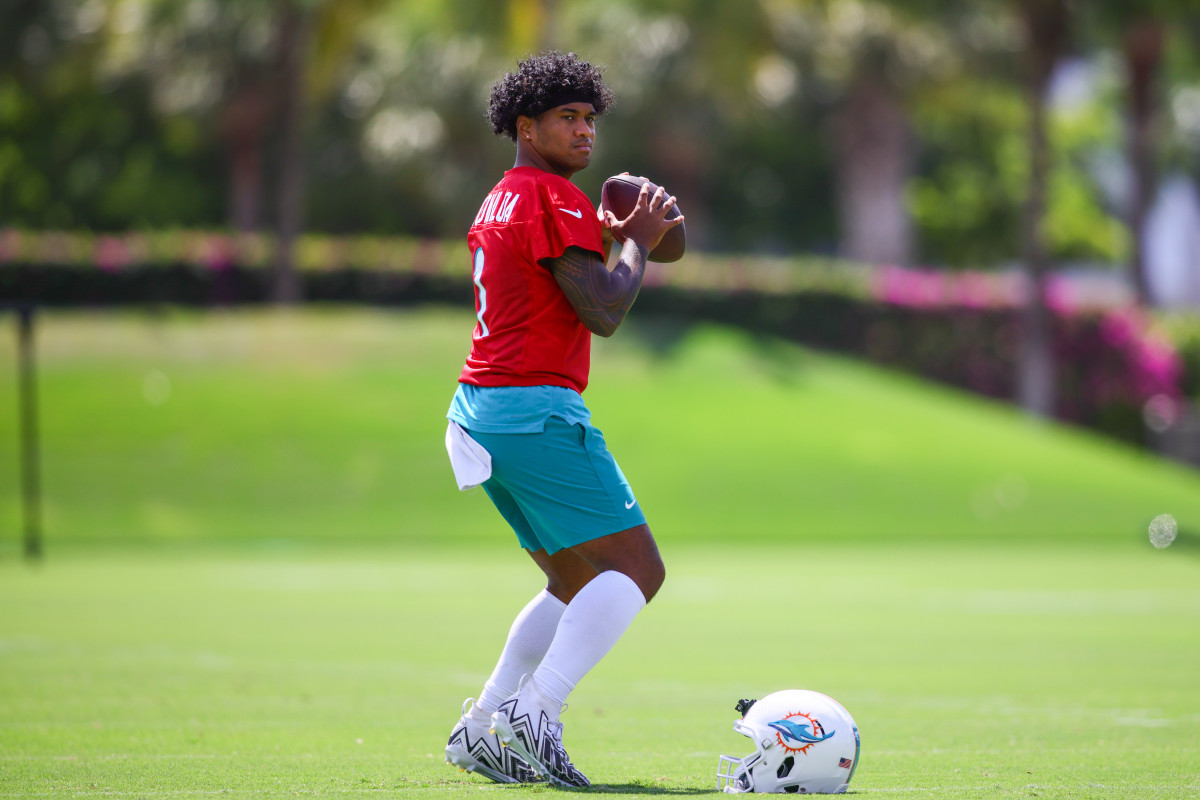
(631,504)
(577,214)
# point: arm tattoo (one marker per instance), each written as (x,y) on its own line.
(601,298)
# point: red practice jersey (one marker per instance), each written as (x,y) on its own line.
(527,333)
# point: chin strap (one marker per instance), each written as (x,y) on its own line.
(743,706)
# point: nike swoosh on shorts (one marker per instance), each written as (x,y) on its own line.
(577,214)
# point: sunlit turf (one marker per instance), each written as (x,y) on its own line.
(260,580)
(973,671)
(328,425)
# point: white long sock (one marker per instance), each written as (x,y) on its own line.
(528,639)
(594,620)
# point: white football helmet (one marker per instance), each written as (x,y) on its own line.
(804,742)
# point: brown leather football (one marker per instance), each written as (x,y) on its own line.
(619,195)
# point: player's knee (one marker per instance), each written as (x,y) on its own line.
(651,578)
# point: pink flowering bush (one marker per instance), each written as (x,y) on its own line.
(965,329)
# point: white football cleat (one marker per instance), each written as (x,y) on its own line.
(524,725)
(474,748)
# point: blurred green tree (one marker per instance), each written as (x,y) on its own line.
(1141,33)
(252,70)
(867,60)
(887,131)
(82,142)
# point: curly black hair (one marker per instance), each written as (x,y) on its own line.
(543,82)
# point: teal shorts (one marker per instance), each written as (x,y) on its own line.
(560,487)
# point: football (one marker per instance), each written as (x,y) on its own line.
(619,195)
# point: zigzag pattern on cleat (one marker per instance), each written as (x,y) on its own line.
(504,766)
(543,741)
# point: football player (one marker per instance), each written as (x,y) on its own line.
(519,425)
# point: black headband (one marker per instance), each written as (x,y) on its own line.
(559,99)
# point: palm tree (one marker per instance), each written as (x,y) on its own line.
(1143,51)
(264,64)
(1047,25)
(1139,31)
(292,44)
(875,57)
(873,147)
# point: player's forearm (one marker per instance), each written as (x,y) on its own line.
(599,296)
(625,281)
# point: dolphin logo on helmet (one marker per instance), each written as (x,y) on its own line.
(798,732)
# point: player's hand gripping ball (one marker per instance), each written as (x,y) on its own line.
(620,194)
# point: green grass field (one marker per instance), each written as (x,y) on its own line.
(260,580)
(329,426)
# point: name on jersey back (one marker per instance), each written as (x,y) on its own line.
(497,207)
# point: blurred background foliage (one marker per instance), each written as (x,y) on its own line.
(1028,138)
(883,131)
